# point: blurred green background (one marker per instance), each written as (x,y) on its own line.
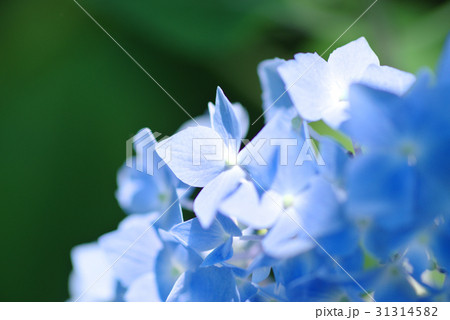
(70,98)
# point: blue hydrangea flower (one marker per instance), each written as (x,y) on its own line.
(152,187)
(292,216)
(319,89)
(218,177)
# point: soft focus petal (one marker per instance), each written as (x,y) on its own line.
(274,96)
(443,70)
(143,289)
(89,263)
(132,248)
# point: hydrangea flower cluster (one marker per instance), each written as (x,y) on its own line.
(290,215)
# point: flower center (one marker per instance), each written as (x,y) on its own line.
(288,201)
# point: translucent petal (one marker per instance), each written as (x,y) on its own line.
(210,198)
(195,155)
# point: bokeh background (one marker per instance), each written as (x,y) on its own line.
(70,98)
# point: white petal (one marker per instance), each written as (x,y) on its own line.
(246,206)
(348,63)
(143,289)
(309,84)
(388,79)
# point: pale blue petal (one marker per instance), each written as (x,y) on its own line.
(336,115)
(286,239)
(348,63)
(203,121)
(171,262)
(89,263)
(205,284)
(246,206)
(371,123)
(229,226)
(309,83)
(143,289)
(388,79)
(137,191)
(210,198)
(260,157)
(314,215)
(191,234)
(185,154)
(260,274)
(274,96)
(133,247)
(220,254)
(225,121)
(242,117)
(171,216)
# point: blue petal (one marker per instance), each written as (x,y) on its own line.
(229,226)
(260,274)
(243,118)
(443,70)
(372,113)
(205,284)
(390,284)
(314,215)
(349,62)
(191,234)
(225,121)
(170,216)
(132,248)
(220,254)
(246,290)
(137,191)
(388,79)
(381,187)
(210,198)
(308,81)
(260,157)
(171,262)
(274,96)
(246,206)
(288,270)
(89,263)
(186,151)
(143,289)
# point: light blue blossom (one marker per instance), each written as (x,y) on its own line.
(319,89)
(219,176)
(151,187)
(89,263)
